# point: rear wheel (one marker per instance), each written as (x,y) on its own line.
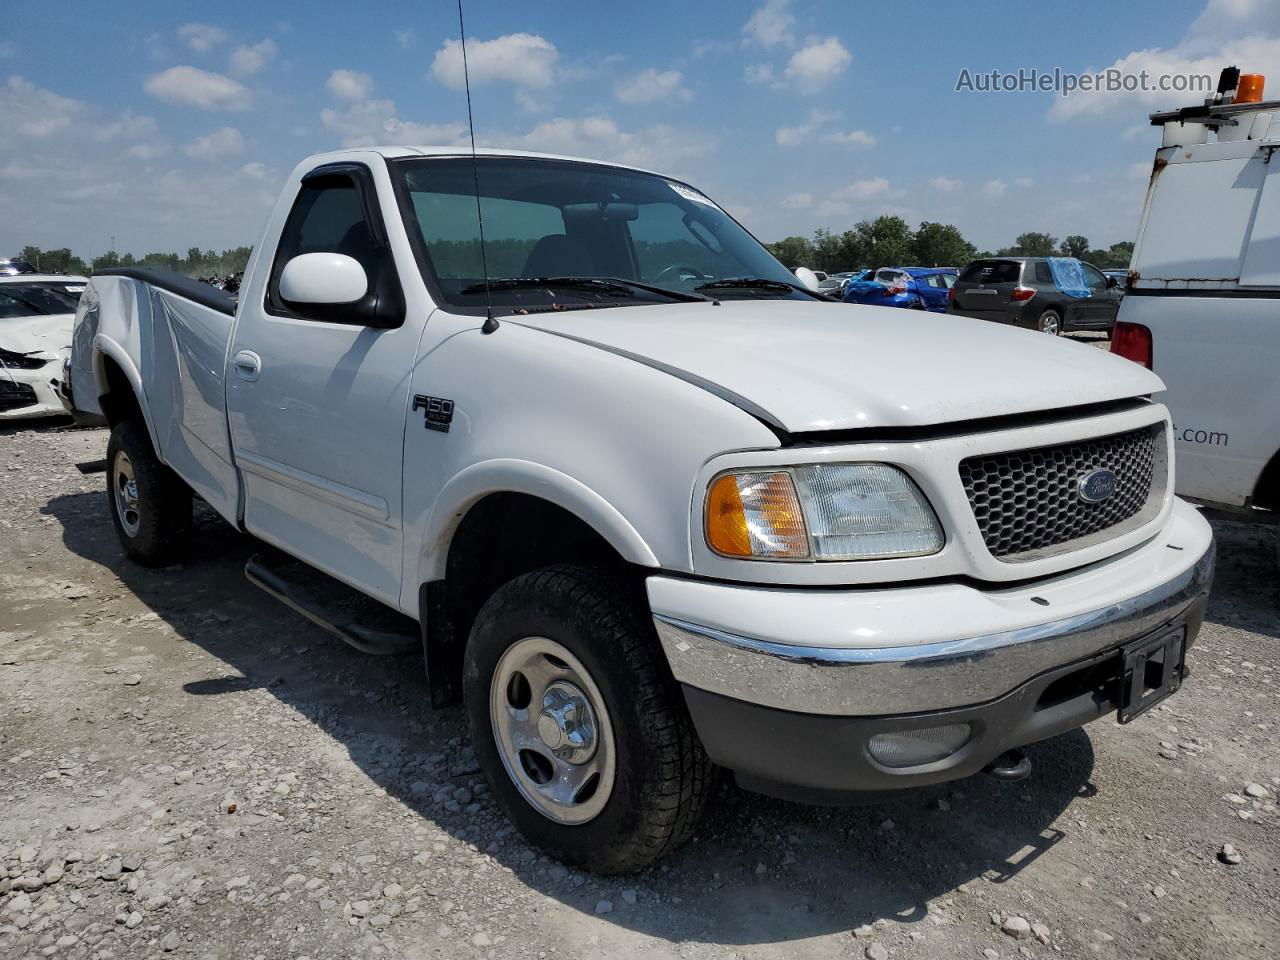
(150,506)
(1050,322)
(577,723)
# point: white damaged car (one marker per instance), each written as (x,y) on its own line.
(36,313)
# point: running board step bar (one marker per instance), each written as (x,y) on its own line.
(398,638)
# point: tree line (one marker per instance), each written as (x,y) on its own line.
(197,262)
(890,241)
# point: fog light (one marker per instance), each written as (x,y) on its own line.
(914,748)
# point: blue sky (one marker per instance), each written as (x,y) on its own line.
(168,126)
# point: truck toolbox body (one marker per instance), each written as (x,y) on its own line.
(1203,293)
(654,506)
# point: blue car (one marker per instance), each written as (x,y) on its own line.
(916,288)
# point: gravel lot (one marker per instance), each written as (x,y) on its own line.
(189,769)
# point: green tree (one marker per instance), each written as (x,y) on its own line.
(885,241)
(1035,245)
(940,245)
(826,252)
(1075,246)
(61,260)
(792,252)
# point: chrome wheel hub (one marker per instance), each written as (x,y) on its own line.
(567,724)
(125,489)
(552,730)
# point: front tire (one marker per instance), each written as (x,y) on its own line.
(577,723)
(149,504)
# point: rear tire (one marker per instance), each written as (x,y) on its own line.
(149,504)
(636,772)
(1050,322)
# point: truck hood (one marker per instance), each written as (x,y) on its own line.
(44,335)
(811,366)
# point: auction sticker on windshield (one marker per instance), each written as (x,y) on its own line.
(690,194)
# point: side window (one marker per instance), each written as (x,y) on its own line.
(1094,278)
(327,217)
(1043,274)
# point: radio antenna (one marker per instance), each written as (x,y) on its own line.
(490,321)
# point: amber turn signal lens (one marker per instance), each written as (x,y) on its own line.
(756,515)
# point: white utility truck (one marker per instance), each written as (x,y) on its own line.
(649,507)
(1202,307)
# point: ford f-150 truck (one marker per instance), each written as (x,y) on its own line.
(651,508)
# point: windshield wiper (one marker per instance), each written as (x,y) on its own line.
(757,283)
(611,285)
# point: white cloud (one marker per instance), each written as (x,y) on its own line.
(198,88)
(598,137)
(147,151)
(524,59)
(814,66)
(863,189)
(371,122)
(945,184)
(651,85)
(759,73)
(255,170)
(770,24)
(1244,32)
(248,59)
(797,201)
(850,138)
(404,38)
(1023,183)
(201,37)
(75,183)
(854,196)
(995,188)
(30,111)
(349,85)
(224,142)
(806,134)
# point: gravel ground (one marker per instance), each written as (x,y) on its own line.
(189,769)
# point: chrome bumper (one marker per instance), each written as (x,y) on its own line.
(867,681)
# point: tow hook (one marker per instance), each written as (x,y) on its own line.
(1010,767)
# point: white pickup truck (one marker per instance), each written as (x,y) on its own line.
(651,508)
(1203,301)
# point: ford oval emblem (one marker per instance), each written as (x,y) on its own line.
(1096,486)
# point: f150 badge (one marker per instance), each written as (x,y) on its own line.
(1096,486)
(438,411)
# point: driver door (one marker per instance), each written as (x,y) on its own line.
(317,407)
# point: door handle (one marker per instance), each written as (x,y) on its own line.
(248,365)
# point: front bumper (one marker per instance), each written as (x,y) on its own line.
(787,686)
(31,393)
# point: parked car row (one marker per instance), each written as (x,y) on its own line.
(1054,295)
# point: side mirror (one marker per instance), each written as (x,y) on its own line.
(807,277)
(311,279)
(1112,282)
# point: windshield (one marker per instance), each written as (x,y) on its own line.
(38,299)
(552,218)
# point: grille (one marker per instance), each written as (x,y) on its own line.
(1027,502)
(15,395)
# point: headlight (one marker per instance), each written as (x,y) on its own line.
(844,511)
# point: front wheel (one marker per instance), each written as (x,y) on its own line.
(1050,322)
(150,506)
(578,725)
